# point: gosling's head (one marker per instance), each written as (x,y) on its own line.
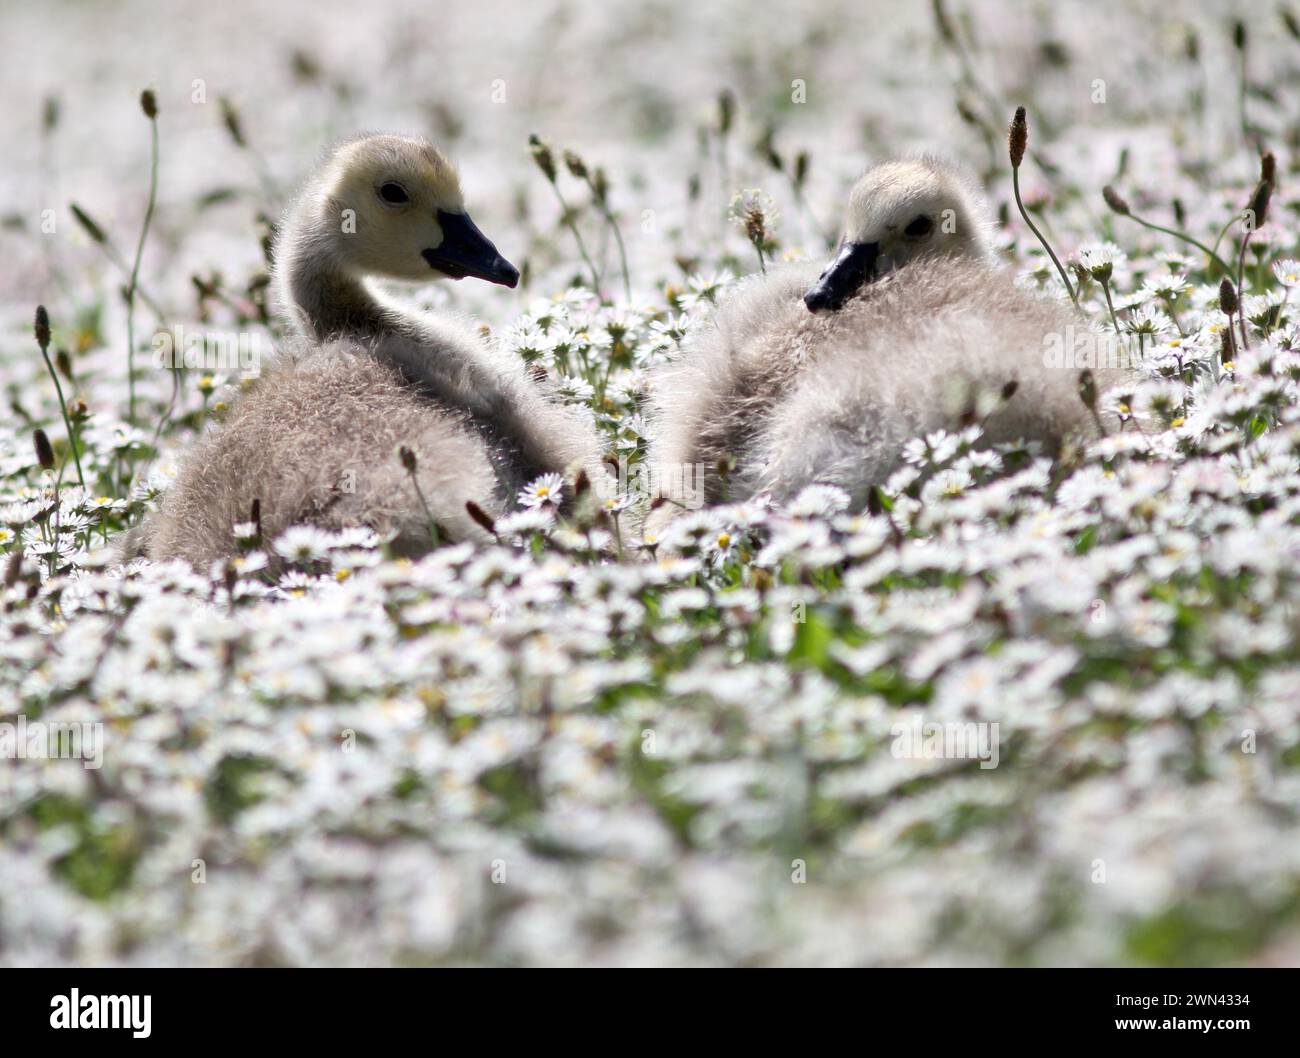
(900,211)
(393,207)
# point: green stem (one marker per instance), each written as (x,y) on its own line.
(1110,305)
(428,513)
(1222,232)
(135,267)
(67,422)
(1015,186)
(807,209)
(572,224)
(618,238)
(1241,291)
(1187,239)
(106,244)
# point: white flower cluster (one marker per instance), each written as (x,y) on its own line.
(581,746)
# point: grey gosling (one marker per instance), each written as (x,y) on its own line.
(806,379)
(315,439)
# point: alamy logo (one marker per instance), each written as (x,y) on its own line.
(1077,347)
(102,1012)
(53,740)
(236,351)
(950,741)
(683,482)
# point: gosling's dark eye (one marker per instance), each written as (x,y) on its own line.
(920,226)
(393,193)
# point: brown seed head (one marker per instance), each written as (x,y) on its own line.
(230,118)
(1259,203)
(42,327)
(542,155)
(44,450)
(1018,138)
(726,111)
(1268,167)
(1115,200)
(92,229)
(577,167)
(481,516)
(1227,296)
(1088,388)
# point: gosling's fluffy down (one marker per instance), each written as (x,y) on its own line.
(804,379)
(315,438)
(315,441)
(798,399)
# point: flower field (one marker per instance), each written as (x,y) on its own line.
(716,745)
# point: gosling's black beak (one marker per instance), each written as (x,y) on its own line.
(854,265)
(466,251)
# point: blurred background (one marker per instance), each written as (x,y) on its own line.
(680,103)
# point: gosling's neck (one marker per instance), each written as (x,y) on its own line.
(325,300)
(322,298)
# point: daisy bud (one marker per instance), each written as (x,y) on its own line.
(42,327)
(230,576)
(1259,203)
(305,68)
(943,23)
(1115,201)
(149,103)
(92,229)
(1291,22)
(576,166)
(1018,137)
(1227,296)
(481,516)
(767,149)
(230,118)
(542,156)
(726,111)
(968,115)
(800,169)
(44,450)
(14,568)
(1268,168)
(1088,389)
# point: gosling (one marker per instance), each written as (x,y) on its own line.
(316,438)
(806,379)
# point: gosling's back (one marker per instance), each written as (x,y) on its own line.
(315,440)
(797,398)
